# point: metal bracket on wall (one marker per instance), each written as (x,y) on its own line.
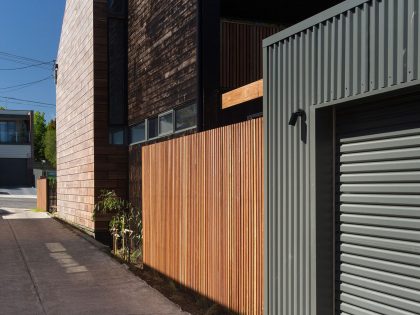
(303,127)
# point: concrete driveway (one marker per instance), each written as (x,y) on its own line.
(18,197)
(46,268)
(28,192)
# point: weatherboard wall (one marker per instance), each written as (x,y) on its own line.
(351,51)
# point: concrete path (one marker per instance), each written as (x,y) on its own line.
(46,268)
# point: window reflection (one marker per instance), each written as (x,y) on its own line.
(165,124)
(185,117)
(14,132)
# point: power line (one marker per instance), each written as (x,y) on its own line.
(26,67)
(22,60)
(23,85)
(6,104)
(27,101)
(43,67)
(24,104)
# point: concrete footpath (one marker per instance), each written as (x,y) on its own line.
(46,268)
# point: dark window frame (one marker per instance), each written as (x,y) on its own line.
(160,135)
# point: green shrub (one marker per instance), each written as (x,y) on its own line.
(125,225)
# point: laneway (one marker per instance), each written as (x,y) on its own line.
(46,268)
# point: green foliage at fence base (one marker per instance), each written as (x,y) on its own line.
(125,225)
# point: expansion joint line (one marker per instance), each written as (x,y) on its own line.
(27,267)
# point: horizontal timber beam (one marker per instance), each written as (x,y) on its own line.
(242,94)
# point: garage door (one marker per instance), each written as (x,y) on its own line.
(379,214)
(13,172)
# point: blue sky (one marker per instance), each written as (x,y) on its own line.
(29,28)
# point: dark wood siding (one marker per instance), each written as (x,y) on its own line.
(111,161)
(241,52)
(134,158)
(162,69)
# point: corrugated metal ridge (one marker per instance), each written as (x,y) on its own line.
(314,20)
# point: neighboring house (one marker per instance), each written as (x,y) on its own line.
(43,169)
(16,148)
(139,71)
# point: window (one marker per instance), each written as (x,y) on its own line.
(11,132)
(166,125)
(152,128)
(117,87)
(22,128)
(185,117)
(138,133)
(117,71)
(3,131)
(117,7)
(14,132)
(116,135)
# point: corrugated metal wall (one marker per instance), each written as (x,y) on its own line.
(353,49)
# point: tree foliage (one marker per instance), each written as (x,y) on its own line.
(2,108)
(50,151)
(39,134)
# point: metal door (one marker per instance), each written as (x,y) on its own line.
(378,173)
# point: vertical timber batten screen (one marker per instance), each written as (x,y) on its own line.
(203,213)
(356,49)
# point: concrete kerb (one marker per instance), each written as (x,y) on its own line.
(83,234)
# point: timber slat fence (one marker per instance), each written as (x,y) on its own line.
(42,194)
(203,213)
(46,191)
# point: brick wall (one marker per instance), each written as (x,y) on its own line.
(75,117)
(162,63)
(86,163)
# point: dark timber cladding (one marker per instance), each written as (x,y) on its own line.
(241,52)
(352,53)
(110,160)
(162,56)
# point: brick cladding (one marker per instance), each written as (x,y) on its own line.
(85,162)
(162,49)
(75,118)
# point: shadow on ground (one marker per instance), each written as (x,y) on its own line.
(189,300)
(4,212)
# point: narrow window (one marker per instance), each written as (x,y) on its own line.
(152,128)
(116,135)
(138,133)
(185,117)
(166,125)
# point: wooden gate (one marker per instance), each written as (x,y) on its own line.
(203,213)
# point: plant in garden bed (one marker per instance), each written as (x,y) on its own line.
(125,225)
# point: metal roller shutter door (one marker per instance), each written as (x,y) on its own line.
(379,214)
(13,172)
